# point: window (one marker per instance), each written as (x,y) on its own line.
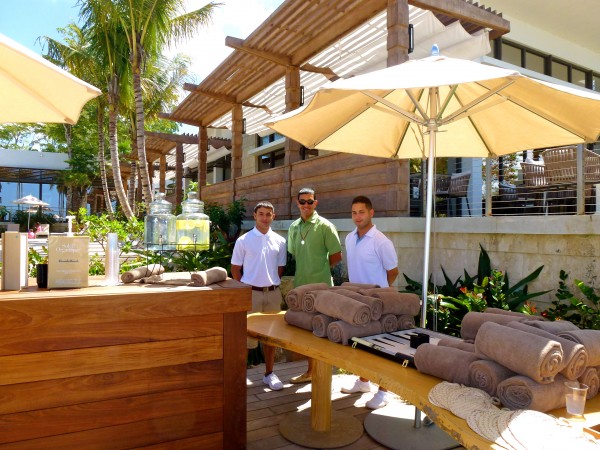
(596,83)
(560,71)
(534,62)
(511,54)
(271,160)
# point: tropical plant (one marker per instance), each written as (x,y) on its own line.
(585,313)
(448,303)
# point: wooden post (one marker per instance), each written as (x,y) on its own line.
(178,174)
(202,158)
(163,174)
(236,144)
(397,26)
(292,148)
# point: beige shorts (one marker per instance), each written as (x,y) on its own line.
(266,302)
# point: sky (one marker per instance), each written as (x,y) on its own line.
(26,20)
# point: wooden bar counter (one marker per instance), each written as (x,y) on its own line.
(129,366)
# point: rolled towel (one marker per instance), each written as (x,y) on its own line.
(320,322)
(389,323)
(405,321)
(299,319)
(457,343)
(513,313)
(141,272)
(340,331)
(370,292)
(590,378)
(447,363)
(170,278)
(342,307)
(575,356)
(209,276)
(472,321)
(347,284)
(399,303)
(294,297)
(375,304)
(486,375)
(556,327)
(308,301)
(524,353)
(590,340)
(520,392)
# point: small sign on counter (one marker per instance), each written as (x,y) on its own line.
(68,261)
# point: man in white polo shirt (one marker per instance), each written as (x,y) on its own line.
(371,259)
(259,257)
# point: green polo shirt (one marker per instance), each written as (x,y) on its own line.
(312,258)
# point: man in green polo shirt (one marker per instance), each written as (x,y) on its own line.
(315,244)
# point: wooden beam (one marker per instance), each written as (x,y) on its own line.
(223,98)
(286,61)
(182,138)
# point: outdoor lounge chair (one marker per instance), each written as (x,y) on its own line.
(42,231)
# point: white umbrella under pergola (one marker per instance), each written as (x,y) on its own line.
(30,201)
(34,90)
(440,106)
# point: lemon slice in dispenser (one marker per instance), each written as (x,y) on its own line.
(185,242)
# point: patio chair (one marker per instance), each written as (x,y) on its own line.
(459,186)
(537,186)
(43,230)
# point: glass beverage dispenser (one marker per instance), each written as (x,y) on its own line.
(192,225)
(160,232)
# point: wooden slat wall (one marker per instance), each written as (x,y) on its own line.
(337,179)
(143,368)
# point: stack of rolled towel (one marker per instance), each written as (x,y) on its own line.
(340,313)
(522,360)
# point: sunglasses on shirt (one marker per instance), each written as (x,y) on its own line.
(304,202)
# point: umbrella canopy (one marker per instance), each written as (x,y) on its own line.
(386,112)
(30,201)
(445,107)
(35,90)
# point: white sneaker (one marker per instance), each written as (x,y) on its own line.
(357,386)
(379,400)
(273,382)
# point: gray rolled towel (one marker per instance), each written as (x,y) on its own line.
(141,272)
(486,375)
(209,276)
(294,297)
(372,291)
(406,321)
(472,321)
(342,307)
(457,343)
(590,339)
(340,331)
(375,304)
(389,323)
(556,327)
(299,319)
(575,356)
(521,392)
(524,353)
(348,284)
(399,303)
(169,278)
(590,378)
(447,363)
(320,322)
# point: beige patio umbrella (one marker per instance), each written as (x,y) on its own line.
(444,107)
(35,90)
(30,201)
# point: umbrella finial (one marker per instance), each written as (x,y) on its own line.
(435,50)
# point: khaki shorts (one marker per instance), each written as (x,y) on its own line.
(266,302)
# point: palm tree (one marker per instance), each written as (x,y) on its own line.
(150,26)
(76,55)
(105,35)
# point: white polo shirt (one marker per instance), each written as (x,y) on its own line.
(370,258)
(260,255)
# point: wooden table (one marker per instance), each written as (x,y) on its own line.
(407,382)
(128,366)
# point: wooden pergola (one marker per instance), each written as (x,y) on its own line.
(281,46)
